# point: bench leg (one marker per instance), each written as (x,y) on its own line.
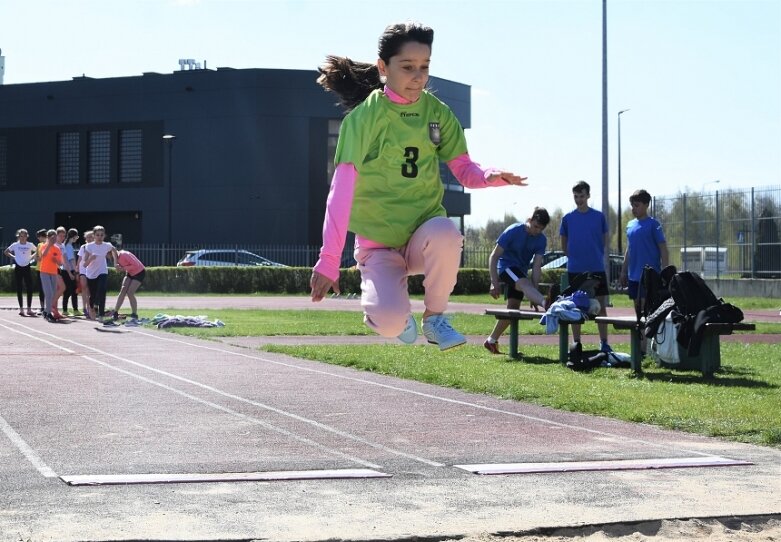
(563,342)
(710,355)
(514,339)
(636,350)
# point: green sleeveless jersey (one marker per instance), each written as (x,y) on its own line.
(396,149)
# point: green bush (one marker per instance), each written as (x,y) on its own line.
(281,280)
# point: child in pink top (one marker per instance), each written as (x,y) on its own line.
(134,276)
(390,145)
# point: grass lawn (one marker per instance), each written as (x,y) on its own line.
(618,300)
(741,403)
(248,323)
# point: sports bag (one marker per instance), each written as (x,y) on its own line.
(691,293)
(656,286)
(657,317)
(664,346)
(698,305)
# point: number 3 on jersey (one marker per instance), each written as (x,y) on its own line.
(410,168)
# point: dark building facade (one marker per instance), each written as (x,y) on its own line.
(249,162)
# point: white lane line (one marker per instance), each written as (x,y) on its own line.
(256,421)
(607,465)
(264,406)
(19,442)
(429,395)
(268,476)
(26,451)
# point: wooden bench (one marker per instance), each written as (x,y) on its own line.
(709,359)
(515,316)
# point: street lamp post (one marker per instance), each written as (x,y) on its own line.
(169,140)
(618,209)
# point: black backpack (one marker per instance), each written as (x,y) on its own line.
(697,305)
(656,286)
(691,293)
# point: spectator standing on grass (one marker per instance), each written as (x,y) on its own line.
(82,268)
(64,270)
(134,275)
(645,245)
(50,260)
(387,189)
(583,233)
(508,266)
(40,235)
(97,270)
(22,252)
(70,273)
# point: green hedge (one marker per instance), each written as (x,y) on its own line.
(281,280)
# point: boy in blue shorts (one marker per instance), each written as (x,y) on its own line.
(508,266)
(583,234)
(646,245)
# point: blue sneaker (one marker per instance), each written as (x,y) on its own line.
(410,333)
(604,347)
(437,330)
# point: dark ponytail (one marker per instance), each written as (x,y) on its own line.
(353,81)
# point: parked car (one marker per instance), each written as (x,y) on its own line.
(549,256)
(240,258)
(616,262)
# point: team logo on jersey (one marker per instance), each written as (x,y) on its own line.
(433,133)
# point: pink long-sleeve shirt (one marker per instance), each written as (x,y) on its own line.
(340,200)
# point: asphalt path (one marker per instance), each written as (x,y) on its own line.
(81,405)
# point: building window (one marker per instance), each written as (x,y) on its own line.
(68,158)
(448,179)
(3,161)
(99,170)
(130,153)
(333,139)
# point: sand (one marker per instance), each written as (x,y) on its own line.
(752,529)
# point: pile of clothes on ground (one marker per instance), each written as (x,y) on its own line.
(164,321)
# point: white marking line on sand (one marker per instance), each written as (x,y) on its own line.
(266,425)
(611,465)
(270,476)
(231,396)
(432,396)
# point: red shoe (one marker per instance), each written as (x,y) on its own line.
(492,347)
(56,314)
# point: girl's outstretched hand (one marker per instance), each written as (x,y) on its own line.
(320,284)
(509,178)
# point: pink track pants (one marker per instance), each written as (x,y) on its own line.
(434,250)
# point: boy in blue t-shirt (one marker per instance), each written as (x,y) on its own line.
(583,235)
(646,245)
(508,266)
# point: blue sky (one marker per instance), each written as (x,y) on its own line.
(702,78)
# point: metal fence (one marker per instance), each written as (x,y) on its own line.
(162,254)
(724,234)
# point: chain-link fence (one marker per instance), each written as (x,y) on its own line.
(724,234)
(162,254)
